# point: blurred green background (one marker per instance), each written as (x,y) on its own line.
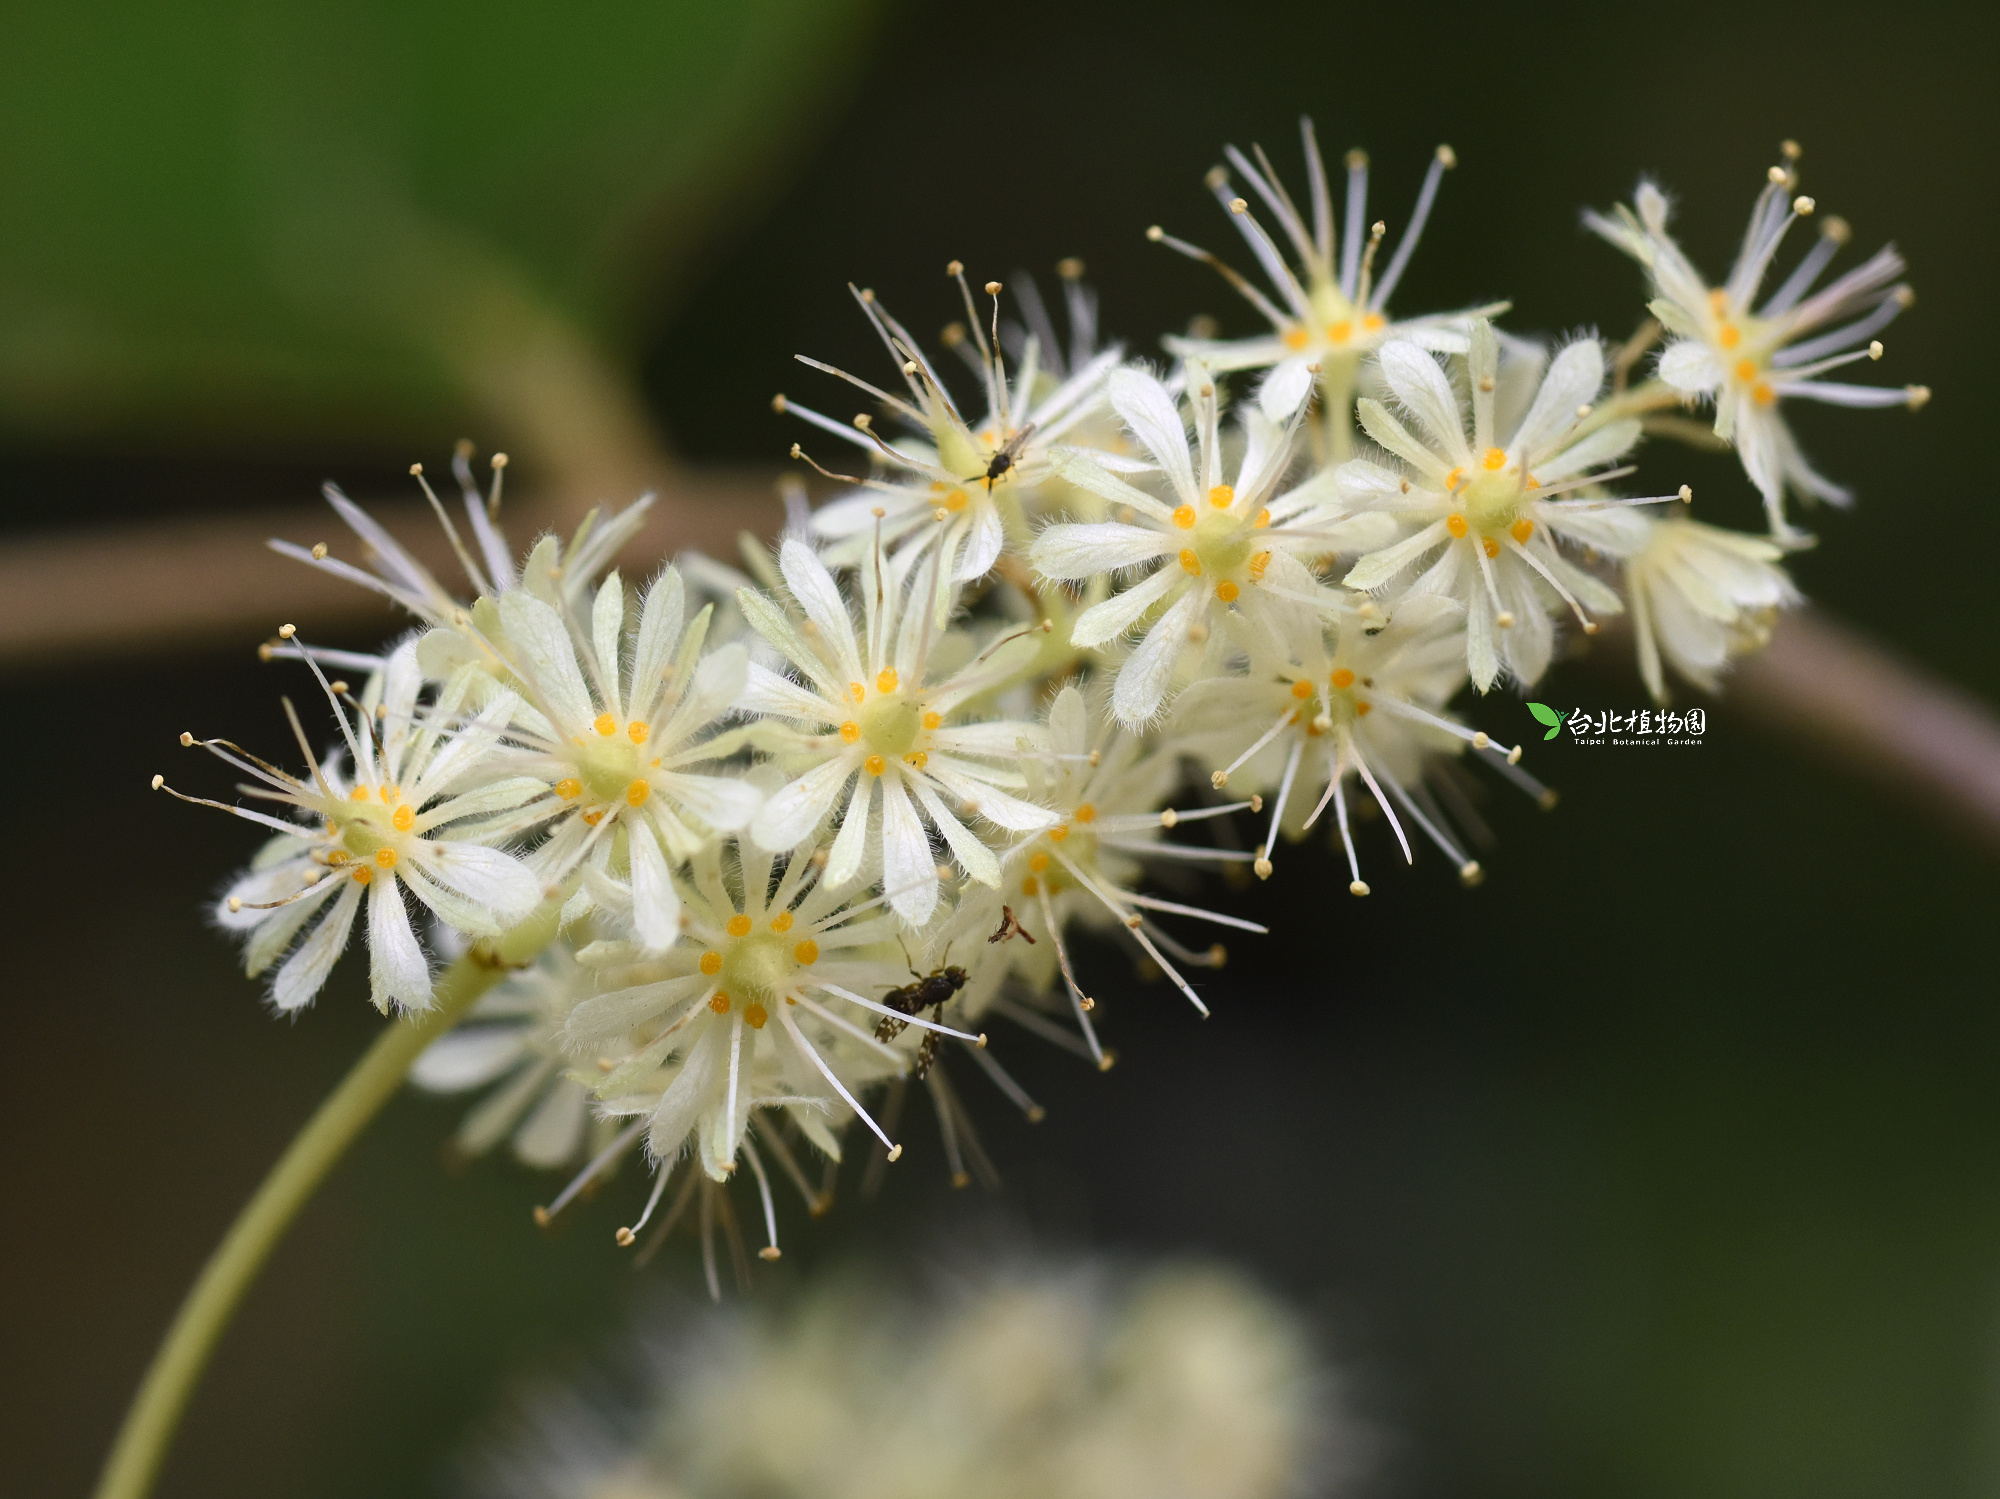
(1667,1163)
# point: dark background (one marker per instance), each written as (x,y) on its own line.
(1666,1163)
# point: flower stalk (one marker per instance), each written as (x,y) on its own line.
(156,1411)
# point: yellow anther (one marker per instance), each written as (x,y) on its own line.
(1226,591)
(1189,562)
(1085,812)
(875,765)
(885,680)
(1455,523)
(1263,518)
(405,818)
(719,1002)
(606,725)
(737,925)
(933,720)
(1521,530)
(1374,322)
(593,817)
(1718,301)
(1762,393)
(807,952)
(336,857)
(1453,479)
(856,691)
(850,731)
(390,795)
(1184,517)
(358,794)
(363,874)
(1059,832)
(1729,335)
(637,731)
(955,501)
(917,758)
(754,1015)
(1493,460)
(1257,565)
(1341,678)
(1302,690)
(1297,338)
(637,792)
(711,963)
(1038,862)
(1222,496)
(569,788)
(1340,332)
(1492,547)
(1362,710)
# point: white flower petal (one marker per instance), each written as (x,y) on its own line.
(495,881)
(850,844)
(1117,614)
(398,972)
(791,813)
(818,595)
(909,874)
(1142,680)
(1144,405)
(1573,380)
(1285,389)
(1420,386)
(305,971)
(1082,551)
(547,658)
(656,906)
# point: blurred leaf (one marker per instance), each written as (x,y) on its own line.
(326,216)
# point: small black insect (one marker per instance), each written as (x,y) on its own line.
(930,992)
(1003,458)
(1010,927)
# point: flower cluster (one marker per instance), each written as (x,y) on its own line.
(1084,624)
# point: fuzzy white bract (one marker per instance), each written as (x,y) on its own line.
(1083,631)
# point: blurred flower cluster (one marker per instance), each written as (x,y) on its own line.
(1057,1380)
(1078,626)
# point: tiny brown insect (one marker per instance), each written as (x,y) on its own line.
(1003,458)
(930,992)
(1010,927)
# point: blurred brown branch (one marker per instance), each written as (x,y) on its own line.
(1849,698)
(201,581)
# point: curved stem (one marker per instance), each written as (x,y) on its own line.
(156,1410)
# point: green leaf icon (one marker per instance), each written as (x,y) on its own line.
(1549,716)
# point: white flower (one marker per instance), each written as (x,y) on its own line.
(954,481)
(557,572)
(1185,1382)
(1105,787)
(1747,358)
(1480,503)
(1328,315)
(1224,546)
(750,1012)
(1312,715)
(1700,596)
(869,712)
(395,824)
(614,742)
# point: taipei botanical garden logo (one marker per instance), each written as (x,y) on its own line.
(1642,726)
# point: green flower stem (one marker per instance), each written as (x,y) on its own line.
(156,1410)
